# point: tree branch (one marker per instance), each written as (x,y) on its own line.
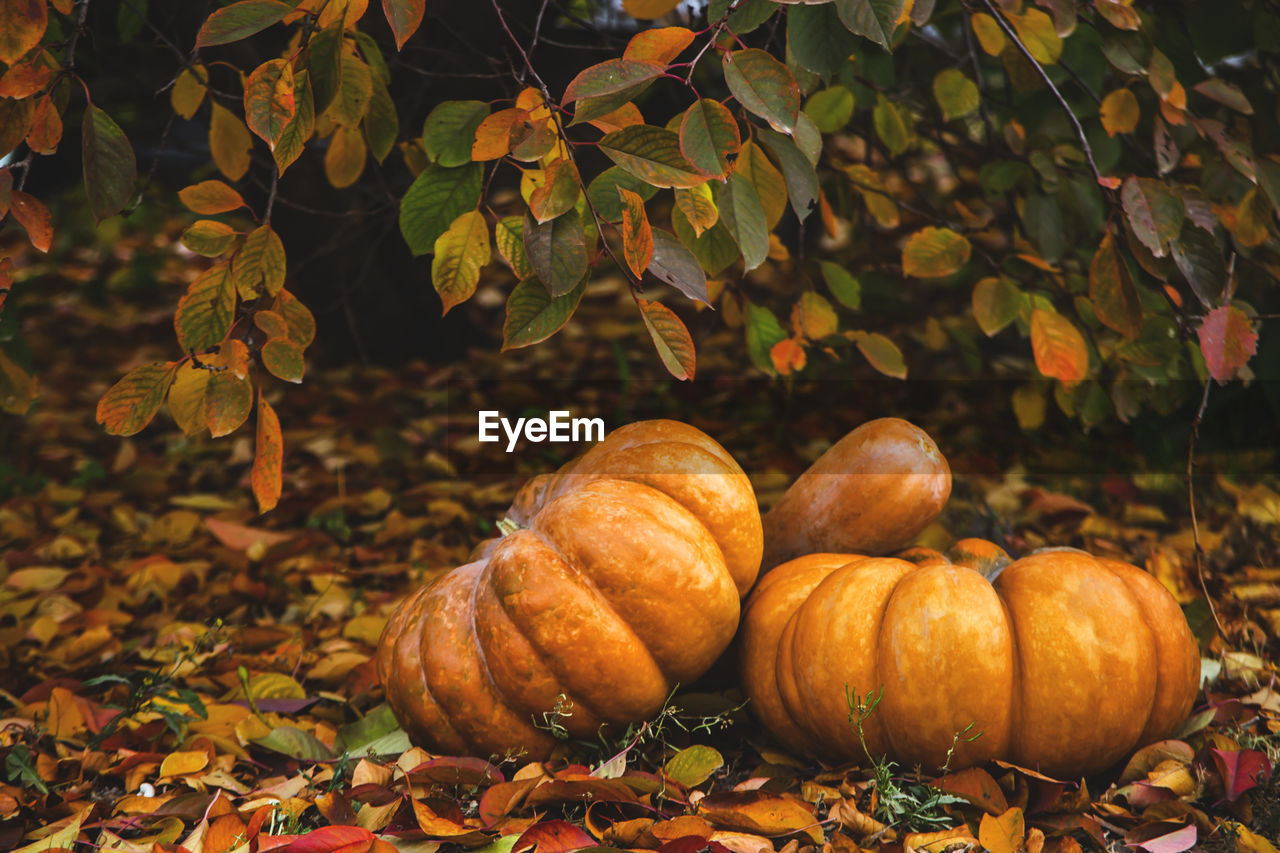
(1022,48)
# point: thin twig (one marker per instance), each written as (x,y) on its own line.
(271,198)
(568,146)
(1013,36)
(1191,501)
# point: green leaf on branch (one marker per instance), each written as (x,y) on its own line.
(450,130)
(1199,258)
(709,137)
(831,109)
(283,359)
(763,333)
(816,39)
(1153,211)
(797,171)
(892,124)
(110,168)
(533,315)
(354,92)
(557,251)
(670,337)
(996,304)
(602,192)
(713,249)
(677,266)
(607,85)
(324,64)
(438,196)
(873,19)
(764,86)
(956,94)
(843,285)
(741,213)
(240,20)
(769,183)
(652,154)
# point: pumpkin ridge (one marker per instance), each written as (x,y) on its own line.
(398,693)
(495,684)
(615,633)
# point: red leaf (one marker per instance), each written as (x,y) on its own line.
(1240,770)
(1226,339)
(553,836)
(1175,841)
(268,458)
(404,16)
(328,839)
(241,537)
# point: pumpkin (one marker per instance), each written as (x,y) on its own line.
(870,493)
(621,576)
(1064,662)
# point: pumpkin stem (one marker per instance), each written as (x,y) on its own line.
(506,526)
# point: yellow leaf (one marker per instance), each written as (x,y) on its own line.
(275,685)
(1002,834)
(182,763)
(1119,112)
(989,34)
(229,142)
(344,161)
(934,252)
(817,317)
(1038,33)
(1028,407)
(64,838)
(460,253)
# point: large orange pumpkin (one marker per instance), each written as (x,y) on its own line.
(870,493)
(1063,661)
(622,579)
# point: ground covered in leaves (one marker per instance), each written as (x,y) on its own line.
(177,670)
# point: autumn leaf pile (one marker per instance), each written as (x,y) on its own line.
(180,671)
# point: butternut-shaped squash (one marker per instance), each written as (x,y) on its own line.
(870,493)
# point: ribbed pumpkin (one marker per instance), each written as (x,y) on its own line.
(1063,661)
(870,493)
(623,579)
